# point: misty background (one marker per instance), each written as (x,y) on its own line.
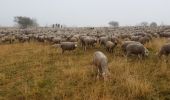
(86,12)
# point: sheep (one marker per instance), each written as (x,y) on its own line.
(148,36)
(144,39)
(68,46)
(110,46)
(167,35)
(73,39)
(126,43)
(136,49)
(155,35)
(165,50)
(50,38)
(41,38)
(9,39)
(23,38)
(123,36)
(139,34)
(103,40)
(56,40)
(135,38)
(82,39)
(101,63)
(88,41)
(114,40)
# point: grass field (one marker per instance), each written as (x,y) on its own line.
(35,71)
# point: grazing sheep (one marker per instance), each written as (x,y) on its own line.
(73,39)
(165,50)
(123,36)
(144,39)
(23,38)
(101,62)
(136,49)
(135,38)
(110,46)
(9,39)
(126,43)
(68,46)
(82,39)
(148,36)
(41,38)
(88,41)
(103,40)
(114,40)
(56,40)
(155,35)
(167,35)
(50,38)
(139,34)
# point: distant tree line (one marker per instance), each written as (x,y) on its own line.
(25,22)
(143,24)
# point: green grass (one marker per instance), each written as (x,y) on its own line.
(35,71)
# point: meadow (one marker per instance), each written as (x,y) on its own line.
(38,71)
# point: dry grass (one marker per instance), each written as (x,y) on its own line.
(34,71)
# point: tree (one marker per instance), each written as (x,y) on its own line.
(114,24)
(153,24)
(144,24)
(24,22)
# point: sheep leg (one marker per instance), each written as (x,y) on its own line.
(98,74)
(62,51)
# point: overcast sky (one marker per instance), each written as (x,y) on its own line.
(86,12)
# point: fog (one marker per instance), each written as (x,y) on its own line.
(86,12)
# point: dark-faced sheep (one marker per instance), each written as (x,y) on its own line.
(136,49)
(68,46)
(101,62)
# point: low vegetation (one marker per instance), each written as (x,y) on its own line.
(38,71)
